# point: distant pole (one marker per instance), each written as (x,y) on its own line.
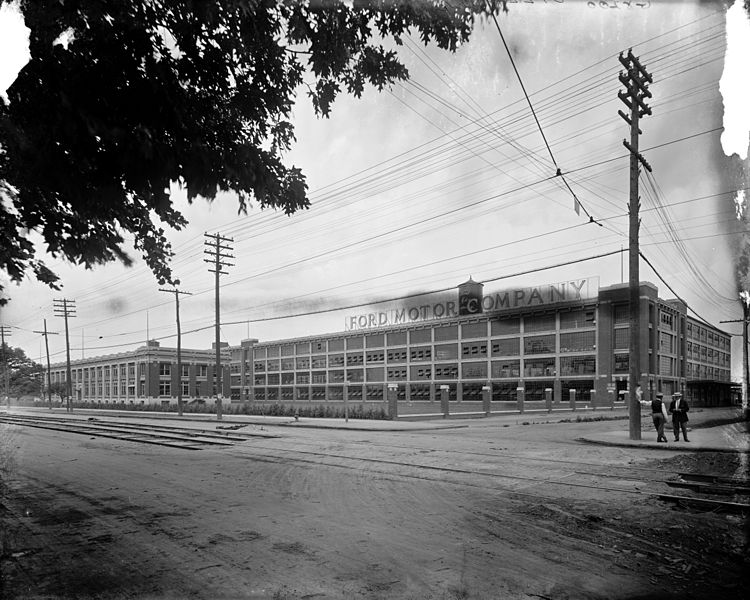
(45,333)
(66,308)
(745,320)
(214,249)
(3,332)
(635,83)
(177,293)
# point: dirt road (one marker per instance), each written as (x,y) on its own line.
(486,511)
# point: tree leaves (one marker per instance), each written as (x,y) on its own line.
(144,94)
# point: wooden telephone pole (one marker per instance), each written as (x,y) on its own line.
(634,80)
(66,308)
(5,331)
(177,293)
(215,250)
(45,333)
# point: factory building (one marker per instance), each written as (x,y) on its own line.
(565,339)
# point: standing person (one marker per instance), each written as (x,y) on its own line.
(679,408)
(659,415)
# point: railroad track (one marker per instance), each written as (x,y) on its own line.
(160,435)
(654,487)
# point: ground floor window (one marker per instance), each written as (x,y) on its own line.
(582,387)
(534,391)
(505,391)
(472,392)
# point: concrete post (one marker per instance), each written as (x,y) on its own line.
(444,391)
(519,399)
(548,399)
(611,399)
(593,399)
(572,399)
(486,392)
(346,401)
(393,401)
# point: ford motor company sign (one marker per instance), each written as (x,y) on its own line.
(472,300)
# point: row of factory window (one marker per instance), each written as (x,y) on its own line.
(701,353)
(581,341)
(577,319)
(538,367)
(504,391)
(707,336)
(103,373)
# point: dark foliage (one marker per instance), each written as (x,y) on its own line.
(121,99)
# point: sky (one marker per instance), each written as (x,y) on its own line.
(445,177)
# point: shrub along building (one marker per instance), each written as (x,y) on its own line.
(570,338)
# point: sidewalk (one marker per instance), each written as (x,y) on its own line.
(733,437)
(711,429)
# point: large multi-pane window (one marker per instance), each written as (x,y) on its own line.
(396,373)
(446,333)
(421,372)
(420,336)
(539,344)
(622,314)
(446,371)
(578,341)
(577,365)
(397,355)
(506,368)
(165,388)
(375,340)
(622,337)
(356,358)
(622,363)
(422,353)
(375,374)
(539,367)
(446,351)
(540,323)
(474,330)
(164,369)
(474,370)
(303,348)
(506,347)
(355,375)
(355,343)
(473,350)
(505,326)
(577,319)
(396,338)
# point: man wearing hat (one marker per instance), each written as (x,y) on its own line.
(679,408)
(659,416)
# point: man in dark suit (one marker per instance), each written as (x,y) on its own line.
(679,408)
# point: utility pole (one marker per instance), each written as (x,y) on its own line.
(5,330)
(177,293)
(45,333)
(66,308)
(745,320)
(635,81)
(215,249)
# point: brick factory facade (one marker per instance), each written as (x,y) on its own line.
(559,337)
